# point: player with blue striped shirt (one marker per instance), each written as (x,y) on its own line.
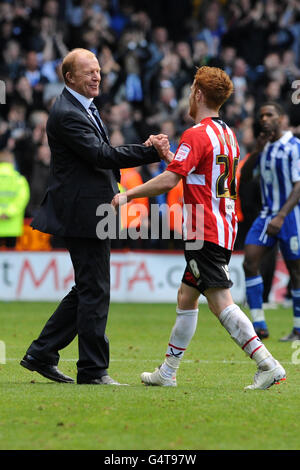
(277,159)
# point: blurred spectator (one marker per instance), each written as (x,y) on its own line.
(290,19)
(160,39)
(109,67)
(200,53)
(239,77)
(184,52)
(55,85)
(273,92)
(17,120)
(247,138)
(120,17)
(248,25)
(173,73)
(270,70)
(50,8)
(31,97)
(290,69)
(121,118)
(167,105)
(32,70)
(18,134)
(117,138)
(213,28)
(227,59)
(12,62)
(168,128)
(14,196)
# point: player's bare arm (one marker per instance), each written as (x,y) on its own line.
(276,223)
(159,185)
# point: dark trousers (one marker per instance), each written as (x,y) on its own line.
(82,312)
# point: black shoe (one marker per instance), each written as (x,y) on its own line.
(294,335)
(262,333)
(104,380)
(46,370)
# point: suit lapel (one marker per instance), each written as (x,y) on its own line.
(95,125)
(78,105)
(103,133)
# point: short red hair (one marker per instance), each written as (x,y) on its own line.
(215,85)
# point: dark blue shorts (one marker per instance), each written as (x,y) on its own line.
(288,236)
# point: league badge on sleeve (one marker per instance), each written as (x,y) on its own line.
(182,152)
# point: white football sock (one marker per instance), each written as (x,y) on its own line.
(257,315)
(242,332)
(181,335)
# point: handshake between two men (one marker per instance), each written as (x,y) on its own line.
(156,185)
(161,143)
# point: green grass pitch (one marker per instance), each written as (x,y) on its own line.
(209,410)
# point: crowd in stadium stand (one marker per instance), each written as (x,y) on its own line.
(148,51)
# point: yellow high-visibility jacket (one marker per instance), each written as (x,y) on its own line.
(14,197)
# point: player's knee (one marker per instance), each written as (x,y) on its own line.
(218,299)
(185,301)
(182,298)
(250,266)
(246,266)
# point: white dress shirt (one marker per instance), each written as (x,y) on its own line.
(86,102)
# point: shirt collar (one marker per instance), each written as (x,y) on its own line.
(86,102)
(286,137)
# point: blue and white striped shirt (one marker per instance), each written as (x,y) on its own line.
(279,168)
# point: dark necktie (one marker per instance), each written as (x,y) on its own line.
(98,119)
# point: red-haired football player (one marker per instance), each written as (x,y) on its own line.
(206,162)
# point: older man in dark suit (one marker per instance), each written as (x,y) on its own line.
(84,172)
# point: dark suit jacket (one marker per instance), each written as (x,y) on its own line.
(84,170)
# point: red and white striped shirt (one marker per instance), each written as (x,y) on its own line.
(207,157)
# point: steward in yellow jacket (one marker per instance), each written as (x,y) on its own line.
(14,197)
